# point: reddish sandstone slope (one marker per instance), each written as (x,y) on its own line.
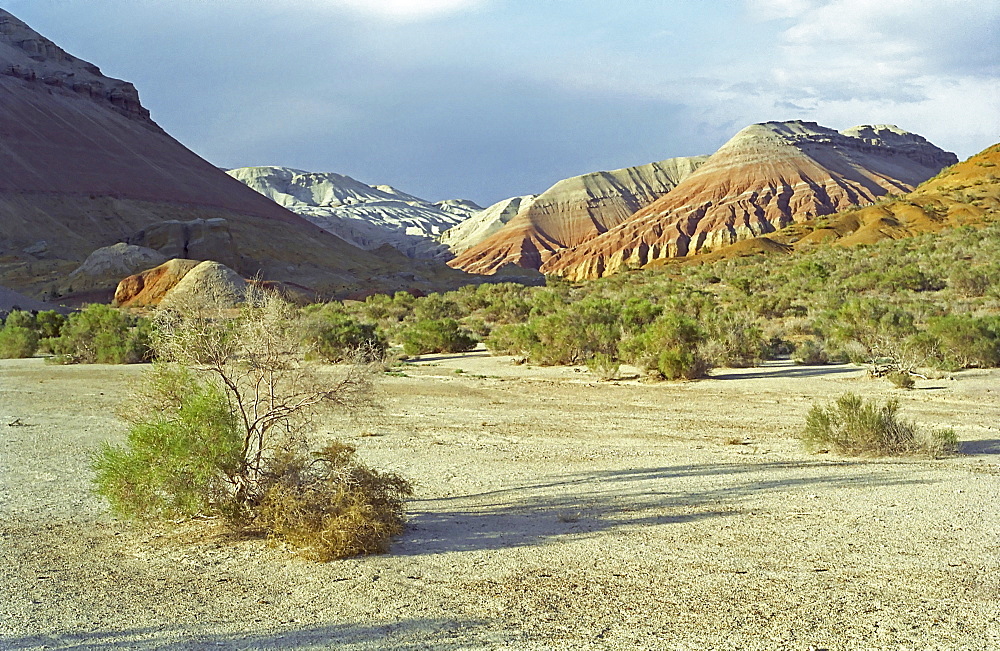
(84,166)
(768,176)
(573,211)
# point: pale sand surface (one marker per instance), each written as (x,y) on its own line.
(552,512)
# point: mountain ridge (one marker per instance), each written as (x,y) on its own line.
(767,176)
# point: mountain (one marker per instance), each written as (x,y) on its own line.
(484,223)
(84,167)
(571,212)
(767,176)
(366,216)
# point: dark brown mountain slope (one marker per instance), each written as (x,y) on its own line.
(84,166)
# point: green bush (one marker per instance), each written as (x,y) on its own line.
(577,332)
(100,334)
(511,339)
(810,352)
(736,341)
(336,337)
(856,427)
(21,319)
(17,342)
(604,366)
(668,347)
(438,336)
(962,341)
(901,379)
(177,462)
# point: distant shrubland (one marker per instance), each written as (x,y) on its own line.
(931,301)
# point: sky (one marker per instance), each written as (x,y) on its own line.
(488,99)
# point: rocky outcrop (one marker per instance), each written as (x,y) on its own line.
(109,264)
(574,211)
(148,288)
(209,283)
(767,176)
(84,169)
(366,216)
(28,56)
(197,239)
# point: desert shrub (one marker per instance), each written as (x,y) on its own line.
(576,332)
(810,352)
(100,334)
(604,366)
(735,341)
(901,379)
(962,341)
(879,328)
(17,342)
(435,307)
(49,323)
(974,282)
(637,313)
(511,339)
(436,336)
(336,337)
(20,319)
(178,460)
(668,347)
(330,505)
(858,427)
(222,428)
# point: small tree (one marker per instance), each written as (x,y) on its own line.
(222,429)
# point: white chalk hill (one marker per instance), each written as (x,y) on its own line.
(368,216)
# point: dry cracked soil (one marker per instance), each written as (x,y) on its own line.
(552,511)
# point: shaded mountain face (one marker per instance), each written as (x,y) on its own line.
(366,216)
(573,211)
(84,166)
(767,176)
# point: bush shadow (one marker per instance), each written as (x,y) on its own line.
(587,504)
(986,446)
(784,371)
(407,635)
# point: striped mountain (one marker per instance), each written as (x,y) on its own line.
(767,176)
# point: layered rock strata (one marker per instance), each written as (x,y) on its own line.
(573,211)
(767,176)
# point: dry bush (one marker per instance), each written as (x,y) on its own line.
(857,427)
(233,402)
(331,506)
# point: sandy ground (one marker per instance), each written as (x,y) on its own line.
(552,512)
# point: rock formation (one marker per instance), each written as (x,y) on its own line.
(766,177)
(208,283)
(109,264)
(571,212)
(147,288)
(84,167)
(484,223)
(364,215)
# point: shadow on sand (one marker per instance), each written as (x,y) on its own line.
(590,503)
(782,370)
(987,446)
(405,635)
